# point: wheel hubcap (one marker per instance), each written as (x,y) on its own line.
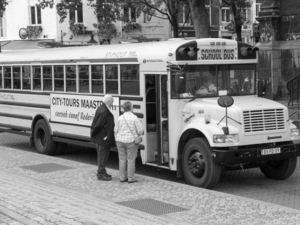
(42,137)
(196,164)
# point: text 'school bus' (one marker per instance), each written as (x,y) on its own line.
(197,99)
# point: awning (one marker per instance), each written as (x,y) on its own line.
(22,44)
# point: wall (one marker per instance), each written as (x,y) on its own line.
(17,17)
(279,55)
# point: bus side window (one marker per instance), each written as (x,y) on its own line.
(59,78)
(47,78)
(7,77)
(111,74)
(97,79)
(130,80)
(26,77)
(36,73)
(71,78)
(84,83)
(1,74)
(16,77)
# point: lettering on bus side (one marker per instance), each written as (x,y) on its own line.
(77,109)
(216,54)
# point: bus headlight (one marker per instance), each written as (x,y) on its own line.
(221,138)
(295,132)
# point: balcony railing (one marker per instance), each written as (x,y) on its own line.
(293,87)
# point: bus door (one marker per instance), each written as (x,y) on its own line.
(157,120)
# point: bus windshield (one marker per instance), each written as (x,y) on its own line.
(212,81)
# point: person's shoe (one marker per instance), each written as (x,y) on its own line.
(132,181)
(104,177)
(108,175)
(122,181)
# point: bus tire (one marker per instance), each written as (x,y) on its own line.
(42,139)
(198,166)
(279,169)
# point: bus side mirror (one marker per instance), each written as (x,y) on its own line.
(261,88)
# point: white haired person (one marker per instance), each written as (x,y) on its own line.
(102,133)
(127,128)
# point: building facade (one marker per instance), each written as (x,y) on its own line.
(279,54)
(44,25)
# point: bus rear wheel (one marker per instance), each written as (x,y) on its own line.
(198,166)
(42,139)
(279,169)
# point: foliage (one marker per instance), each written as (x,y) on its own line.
(77,28)
(3,4)
(237,7)
(34,30)
(132,26)
(105,30)
(112,11)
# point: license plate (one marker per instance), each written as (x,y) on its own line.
(270,151)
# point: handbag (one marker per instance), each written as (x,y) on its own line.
(137,139)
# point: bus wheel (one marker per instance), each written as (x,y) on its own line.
(198,166)
(42,138)
(279,169)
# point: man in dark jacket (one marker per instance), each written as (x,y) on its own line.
(102,133)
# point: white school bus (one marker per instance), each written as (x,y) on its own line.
(198,101)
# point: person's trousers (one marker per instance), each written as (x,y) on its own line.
(127,155)
(102,157)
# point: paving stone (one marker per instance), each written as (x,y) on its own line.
(77,197)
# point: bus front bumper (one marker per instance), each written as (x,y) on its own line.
(255,155)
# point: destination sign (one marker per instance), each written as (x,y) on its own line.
(216,54)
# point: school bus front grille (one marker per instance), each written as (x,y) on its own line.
(263,120)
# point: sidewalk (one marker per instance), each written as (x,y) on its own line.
(39,189)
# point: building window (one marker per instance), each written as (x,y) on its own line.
(76,14)
(2,27)
(26,77)
(97,79)
(59,78)
(244,14)
(184,16)
(16,77)
(130,14)
(257,8)
(71,78)
(111,73)
(130,80)
(225,15)
(47,78)
(36,15)
(84,83)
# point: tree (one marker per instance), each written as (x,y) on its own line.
(200,17)
(237,8)
(3,4)
(163,9)
(110,11)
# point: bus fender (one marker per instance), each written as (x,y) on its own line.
(191,131)
(36,118)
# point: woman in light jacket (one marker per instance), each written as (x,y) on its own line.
(127,128)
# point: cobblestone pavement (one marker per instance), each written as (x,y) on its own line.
(251,183)
(39,189)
